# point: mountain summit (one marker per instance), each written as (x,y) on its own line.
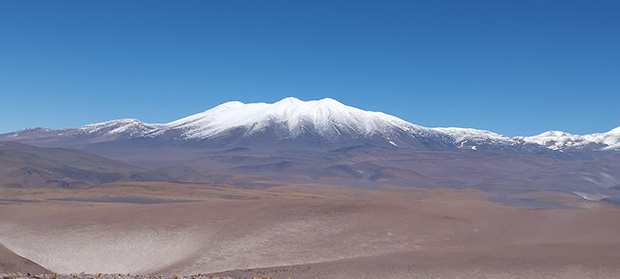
(321,121)
(291,118)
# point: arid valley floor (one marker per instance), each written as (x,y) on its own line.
(303,231)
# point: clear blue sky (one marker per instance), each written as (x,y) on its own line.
(512,67)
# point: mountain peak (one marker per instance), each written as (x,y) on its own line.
(289,100)
(321,120)
(293,117)
(229,105)
(614,131)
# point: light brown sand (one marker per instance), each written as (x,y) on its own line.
(13,263)
(317,232)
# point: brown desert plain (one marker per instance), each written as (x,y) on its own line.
(303,231)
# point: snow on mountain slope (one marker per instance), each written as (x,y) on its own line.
(291,118)
(471,138)
(129,126)
(77,137)
(327,117)
(558,140)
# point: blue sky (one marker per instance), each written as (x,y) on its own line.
(512,67)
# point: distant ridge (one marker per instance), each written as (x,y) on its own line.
(323,120)
(25,166)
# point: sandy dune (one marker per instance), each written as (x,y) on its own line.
(13,263)
(307,232)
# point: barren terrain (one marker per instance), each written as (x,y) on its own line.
(305,231)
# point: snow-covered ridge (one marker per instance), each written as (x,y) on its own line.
(469,134)
(558,140)
(469,138)
(327,117)
(129,127)
(554,140)
(117,126)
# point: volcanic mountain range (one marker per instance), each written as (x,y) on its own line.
(310,189)
(325,121)
(294,140)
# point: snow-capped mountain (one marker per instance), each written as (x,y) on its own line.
(325,120)
(327,117)
(327,140)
